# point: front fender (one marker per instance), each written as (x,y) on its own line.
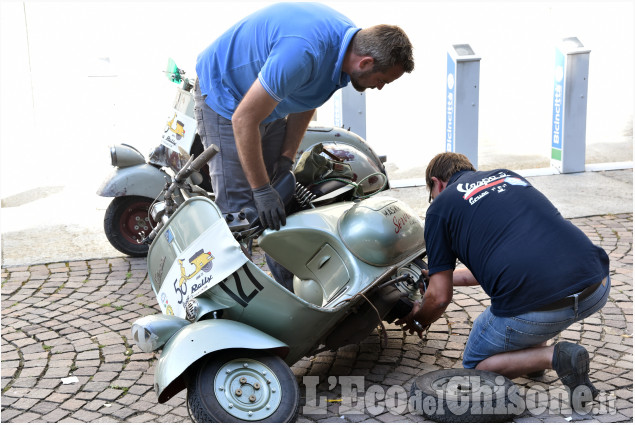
(141,180)
(200,339)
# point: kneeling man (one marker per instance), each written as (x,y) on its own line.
(541,272)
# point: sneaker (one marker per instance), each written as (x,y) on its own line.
(571,363)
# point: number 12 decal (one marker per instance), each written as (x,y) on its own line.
(242,298)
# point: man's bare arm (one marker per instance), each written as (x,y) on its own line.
(296,128)
(252,110)
(436,299)
(464,277)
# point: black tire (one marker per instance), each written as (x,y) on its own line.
(276,391)
(125,218)
(466,395)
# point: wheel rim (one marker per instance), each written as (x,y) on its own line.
(413,271)
(135,220)
(247,389)
(461,387)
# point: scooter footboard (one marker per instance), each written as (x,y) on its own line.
(199,339)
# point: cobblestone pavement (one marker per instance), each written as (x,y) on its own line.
(73,320)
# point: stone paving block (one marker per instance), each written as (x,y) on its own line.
(55,415)
(86,416)
(104,376)
(24,382)
(38,393)
(8,414)
(24,403)
(110,394)
(142,418)
(43,407)
(93,386)
(138,389)
(27,417)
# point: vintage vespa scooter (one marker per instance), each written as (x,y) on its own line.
(228,332)
(135,182)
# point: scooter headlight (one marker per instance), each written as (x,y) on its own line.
(152,332)
(125,156)
(145,339)
(157,210)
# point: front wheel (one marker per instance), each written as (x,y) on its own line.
(243,386)
(126,217)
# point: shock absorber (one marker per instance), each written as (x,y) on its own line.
(304,196)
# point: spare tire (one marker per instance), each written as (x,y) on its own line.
(466,395)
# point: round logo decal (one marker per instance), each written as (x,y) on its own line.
(559,74)
(450,81)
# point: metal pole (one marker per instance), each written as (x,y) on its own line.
(568,129)
(349,110)
(462,97)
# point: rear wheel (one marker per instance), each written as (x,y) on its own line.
(243,386)
(405,303)
(126,217)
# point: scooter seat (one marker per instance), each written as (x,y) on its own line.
(331,191)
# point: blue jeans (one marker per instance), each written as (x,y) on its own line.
(492,335)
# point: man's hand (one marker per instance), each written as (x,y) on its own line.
(435,301)
(270,207)
(411,324)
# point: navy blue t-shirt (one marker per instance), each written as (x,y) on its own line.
(519,248)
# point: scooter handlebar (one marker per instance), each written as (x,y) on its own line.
(197,163)
(204,157)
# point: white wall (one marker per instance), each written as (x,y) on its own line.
(89,75)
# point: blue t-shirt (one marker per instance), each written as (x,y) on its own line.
(519,248)
(295,50)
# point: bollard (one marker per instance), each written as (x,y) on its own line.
(461,125)
(349,110)
(568,130)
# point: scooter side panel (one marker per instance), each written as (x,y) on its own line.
(141,180)
(302,241)
(199,339)
(263,303)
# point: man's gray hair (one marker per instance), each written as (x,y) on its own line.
(388,45)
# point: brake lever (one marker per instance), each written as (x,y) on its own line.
(252,232)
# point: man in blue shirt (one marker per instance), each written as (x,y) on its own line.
(541,272)
(260,82)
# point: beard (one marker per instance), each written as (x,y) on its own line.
(357,86)
(356,76)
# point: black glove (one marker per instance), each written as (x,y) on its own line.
(270,207)
(283,165)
